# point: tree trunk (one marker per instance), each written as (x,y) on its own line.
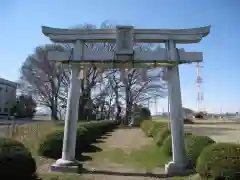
(118,113)
(108,112)
(102,112)
(129,103)
(54,115)
(128,113)
(117,116)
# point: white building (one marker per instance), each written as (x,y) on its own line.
(7,96)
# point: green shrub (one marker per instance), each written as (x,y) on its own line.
(8,145)
(167,144)
(194,146)
(152,129)
(15,160)
(96,129)
(146,125)
(161,136)
(220,161)
(51,144)
(156,127)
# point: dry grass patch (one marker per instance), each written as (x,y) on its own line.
(227,132)
(29,135)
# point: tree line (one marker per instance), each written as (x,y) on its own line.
(102,90)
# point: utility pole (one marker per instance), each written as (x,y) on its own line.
(199,82)
(156,106)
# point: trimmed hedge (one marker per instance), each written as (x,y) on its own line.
(157,130)
(151,128)
(16,161)
(167,144)
(146,125)
(157,127)
(51,144)
(161,136)
(193,144)
(220,161)
(160,132)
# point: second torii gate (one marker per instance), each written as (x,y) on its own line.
(125,56)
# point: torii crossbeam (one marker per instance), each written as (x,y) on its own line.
(157,57)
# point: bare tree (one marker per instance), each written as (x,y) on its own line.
(138,91)
(131,87)
(44,80)
(48,82)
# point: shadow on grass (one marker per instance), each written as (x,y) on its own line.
(100,140)
(83,158)
(108,134)
(80,152)
(91,148)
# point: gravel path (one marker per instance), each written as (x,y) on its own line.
(126,139)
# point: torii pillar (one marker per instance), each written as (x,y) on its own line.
(179,161)
(68,163)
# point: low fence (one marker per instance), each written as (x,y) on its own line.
(26,133)
(19,130)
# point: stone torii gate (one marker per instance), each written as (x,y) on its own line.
(125,56)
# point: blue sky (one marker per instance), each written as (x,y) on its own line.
(21,22)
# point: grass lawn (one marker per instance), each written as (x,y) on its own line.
(148,157)
(119,155)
